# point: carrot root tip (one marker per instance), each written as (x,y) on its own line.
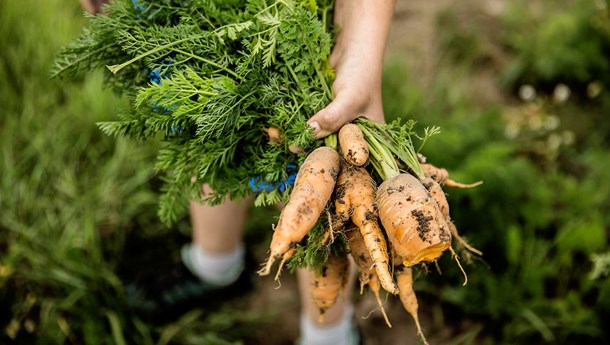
(452,183)
(266,269)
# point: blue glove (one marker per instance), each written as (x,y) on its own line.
(154,76)
(137,6)
(258,186)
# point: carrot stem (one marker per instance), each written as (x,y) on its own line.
(331,141)
(381,158)
(390,146)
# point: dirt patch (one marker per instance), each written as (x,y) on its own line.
(413,38)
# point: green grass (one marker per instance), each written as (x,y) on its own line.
(69,195)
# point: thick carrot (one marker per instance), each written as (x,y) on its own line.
(353,145)
(365,265)
(327,284)
(356,188)
(437,193)
(404,278)
(313,187)
(412,220)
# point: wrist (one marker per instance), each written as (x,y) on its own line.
(363,28)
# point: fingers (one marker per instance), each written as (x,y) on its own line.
(331,118)
(344,109)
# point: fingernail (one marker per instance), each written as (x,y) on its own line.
(315,126)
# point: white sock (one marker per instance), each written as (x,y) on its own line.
(341,333)
(218,269)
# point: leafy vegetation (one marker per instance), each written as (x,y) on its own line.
(73,198)
(208,78)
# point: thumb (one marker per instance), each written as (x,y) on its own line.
(330,119)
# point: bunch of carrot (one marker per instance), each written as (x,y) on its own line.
(386,228)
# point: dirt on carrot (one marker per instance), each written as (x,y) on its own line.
(413,221)
(437,193)
(358,190)
(353,145)
(327,285)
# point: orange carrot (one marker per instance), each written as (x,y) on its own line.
(441,176)
(404,278)
(463,242)
(437,193)
(353,145)
(356,188)
(327,284)
(365,265)
(412,220)
(313,187)
(274,135)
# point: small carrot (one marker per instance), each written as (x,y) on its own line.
(463,242)
(441,176)
(404,279)
(353,145)
(357,189)
(365,265)
(313,187)
(327,284)
(412,220)
(274,135)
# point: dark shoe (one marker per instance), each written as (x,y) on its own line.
(173,293)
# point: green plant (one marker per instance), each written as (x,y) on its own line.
(207,78)
(554,44)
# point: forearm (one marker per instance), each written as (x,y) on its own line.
(363,26)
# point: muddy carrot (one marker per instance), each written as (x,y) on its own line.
(354,147)
(357,189)
(327,284)
(413,221)
(365,265)
(313,187)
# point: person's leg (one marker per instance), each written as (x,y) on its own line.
(337,327)
(210,265)
(218,229)
(216,254)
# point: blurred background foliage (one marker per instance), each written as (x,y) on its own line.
(76,203)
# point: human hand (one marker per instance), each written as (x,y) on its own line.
(357,59)
(93,6)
